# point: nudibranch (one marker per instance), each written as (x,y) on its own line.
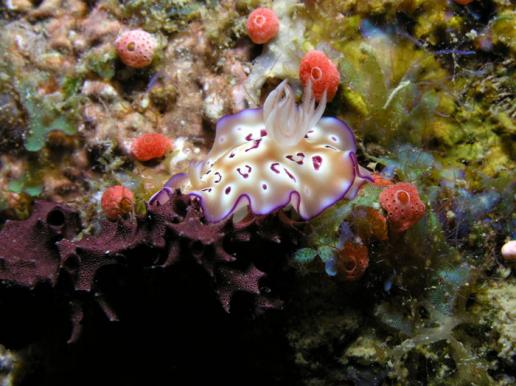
(268,158)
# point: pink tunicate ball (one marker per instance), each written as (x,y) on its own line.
(136,48)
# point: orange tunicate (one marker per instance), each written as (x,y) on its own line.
(369,223)
(262,25)
(136,48)
(323,74)
(117,201)
(150,146)
(379,180)
(403,205)
(352,261)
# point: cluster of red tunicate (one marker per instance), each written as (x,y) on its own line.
(352,261)
(321,72)
(136,48)
(315,68)
(117,201)
(150,146)
(262,25)
(403,205)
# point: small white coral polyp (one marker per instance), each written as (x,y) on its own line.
(272,157)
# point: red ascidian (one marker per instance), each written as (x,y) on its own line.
(262,25)
(117,201)
(316,68)
(150,146)
(136,48)
(403,205)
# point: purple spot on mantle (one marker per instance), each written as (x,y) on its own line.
(255,146)
(228,190)
(264,186)
(299,160)
(333,138)
(290,175)
(231,155)
(263,133)
(249,137)
(330,147)
(245,174)
(219,176)
(206,190)
(274,167)
(317,161)
(308,132)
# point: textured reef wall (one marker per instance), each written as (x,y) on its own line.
(406,284)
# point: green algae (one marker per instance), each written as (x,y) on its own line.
(168,16)
(503,30)
(46,113)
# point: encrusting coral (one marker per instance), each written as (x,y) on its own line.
(272,157)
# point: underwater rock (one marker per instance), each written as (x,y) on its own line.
(12,121)
(10,366)
(496,308)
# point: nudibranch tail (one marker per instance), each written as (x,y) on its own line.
(270,158)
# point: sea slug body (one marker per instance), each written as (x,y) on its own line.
(282,154)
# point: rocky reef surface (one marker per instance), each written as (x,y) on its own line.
(405,284)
